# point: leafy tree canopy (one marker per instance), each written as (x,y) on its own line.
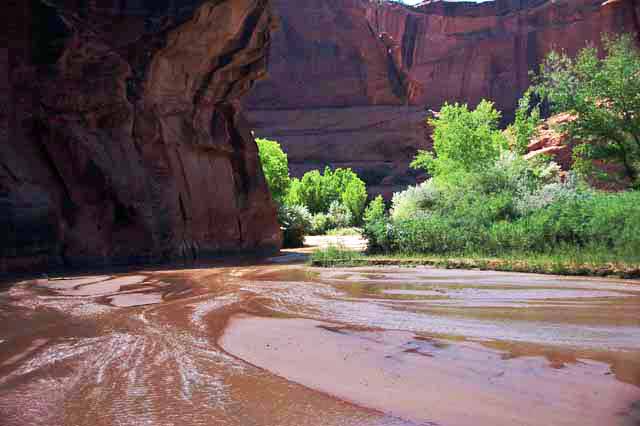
(318,190)
(275,166)
(464,140)
(604,95)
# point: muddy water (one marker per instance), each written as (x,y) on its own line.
(286,345)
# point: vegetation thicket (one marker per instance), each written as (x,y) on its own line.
(604,96)
(317,203)
(486,199)
(275,165)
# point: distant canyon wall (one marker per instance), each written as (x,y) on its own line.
(123,139)
(350,80)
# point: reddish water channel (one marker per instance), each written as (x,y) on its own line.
(288,345)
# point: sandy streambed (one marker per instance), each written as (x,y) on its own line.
(432,380)
(248,344)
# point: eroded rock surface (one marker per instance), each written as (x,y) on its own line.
(123,139)
(350,80)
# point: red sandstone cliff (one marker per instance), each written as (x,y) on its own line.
(123,139)
(350,79)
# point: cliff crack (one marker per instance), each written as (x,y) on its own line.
(240,44)
(409,40)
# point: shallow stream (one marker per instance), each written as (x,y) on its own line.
(288,345)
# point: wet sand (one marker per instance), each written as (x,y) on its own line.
(278,344)
(433,381)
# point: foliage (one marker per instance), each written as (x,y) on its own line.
(335,256)
(603,96)
(379,236)
(375,211)
(320,224)
(295,222)
(318,191)
(608,221)
(525,125)
(275,166)
(376,226)
(413,200)
(354,198)
(510,205)
(339,215)
(463,140)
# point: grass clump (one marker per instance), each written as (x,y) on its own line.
(336,255)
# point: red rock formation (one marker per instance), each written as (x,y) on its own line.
(552,142)
(350,79)
(123,139)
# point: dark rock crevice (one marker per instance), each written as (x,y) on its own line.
(409,40)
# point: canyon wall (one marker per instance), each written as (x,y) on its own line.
(350,80)
(123,139)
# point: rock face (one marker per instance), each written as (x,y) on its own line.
(123,139)
(550,141)
(350,80)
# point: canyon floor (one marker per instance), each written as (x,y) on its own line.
(278,343)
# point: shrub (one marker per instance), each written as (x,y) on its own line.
(335,256)
(354,198)
(275,166)
(463,140)
(525,125)
(414,200)
(602,94)
(376,226)
(339,216)
(375,211)
(318,190)
(320,224)
(379,235)
(295,222)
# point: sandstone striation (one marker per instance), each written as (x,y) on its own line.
(350,80)
(123,137)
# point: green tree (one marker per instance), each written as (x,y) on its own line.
(354,198)
(525,124)
(275,166)
(604,96)
(317,191)
(375,211)
(463,140)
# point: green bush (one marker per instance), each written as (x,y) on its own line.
(414,200)
(318,191)
(295,222)
(376,226)
(601,91)
(379,235)
(463,140)
(375,211)
(354,198)
(591,221)
(275,166)
(335,256)
(320,224)
(339,215)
